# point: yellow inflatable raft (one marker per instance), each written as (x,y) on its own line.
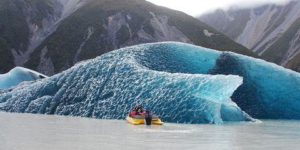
(138,120)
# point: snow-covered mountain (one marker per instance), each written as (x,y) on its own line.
(270,30)
(52,35)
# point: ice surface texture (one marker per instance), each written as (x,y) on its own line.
(179,82)
(18,75)
(269,91)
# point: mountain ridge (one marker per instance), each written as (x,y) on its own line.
(94,27)
(270,30)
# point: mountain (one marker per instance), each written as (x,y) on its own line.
(52,35)
(181,83)
(271,30)
(24,24)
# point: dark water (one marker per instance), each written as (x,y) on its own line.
(41,132)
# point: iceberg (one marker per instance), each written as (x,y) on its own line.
(18,75)
(179,82)
(167,78)
(269,91)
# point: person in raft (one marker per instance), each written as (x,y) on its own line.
(137,111)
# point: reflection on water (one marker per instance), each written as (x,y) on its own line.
(36,132)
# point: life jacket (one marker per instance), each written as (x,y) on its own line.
(133,113)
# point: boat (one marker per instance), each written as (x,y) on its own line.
(140,120)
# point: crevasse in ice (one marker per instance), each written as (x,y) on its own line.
(17,76)
(178,82)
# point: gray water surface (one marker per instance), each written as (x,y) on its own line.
(41,132)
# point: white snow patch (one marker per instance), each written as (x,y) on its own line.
(207,33)
(294,49)
(128,17)
(115,22)
(145,36)
(90,32)
(255,28)
(290,18)
(165,32)
(70,6)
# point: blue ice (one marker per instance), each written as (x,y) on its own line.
(17,76)
(179,82)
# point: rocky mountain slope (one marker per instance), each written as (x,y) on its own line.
(52,35)
(25,24)
(271,30)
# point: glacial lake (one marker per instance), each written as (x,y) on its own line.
(42,132)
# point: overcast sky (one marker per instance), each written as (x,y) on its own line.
(197,7)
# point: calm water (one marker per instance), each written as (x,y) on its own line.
(40,132)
